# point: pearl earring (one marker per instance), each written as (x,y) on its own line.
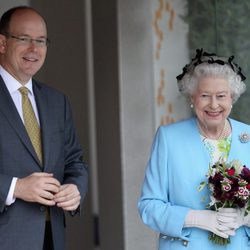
(191,105)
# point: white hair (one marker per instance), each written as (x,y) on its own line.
(189,82)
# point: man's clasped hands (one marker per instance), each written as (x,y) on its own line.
(43,188)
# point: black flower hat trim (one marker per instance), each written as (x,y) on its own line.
(205,57)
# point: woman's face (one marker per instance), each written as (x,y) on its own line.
(212,102)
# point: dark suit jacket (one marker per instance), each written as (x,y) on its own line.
(22,224)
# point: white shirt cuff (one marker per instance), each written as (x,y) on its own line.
(10,199)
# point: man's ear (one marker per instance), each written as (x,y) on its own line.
(2,43)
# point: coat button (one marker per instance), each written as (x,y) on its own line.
(185,243)
(42,208)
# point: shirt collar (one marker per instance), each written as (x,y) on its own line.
(12,84)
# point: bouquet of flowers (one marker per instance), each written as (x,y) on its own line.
(229,184)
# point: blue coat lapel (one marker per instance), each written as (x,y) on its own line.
(239,150)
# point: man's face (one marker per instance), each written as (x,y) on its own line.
(23,58)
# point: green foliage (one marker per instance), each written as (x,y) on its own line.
(221,26)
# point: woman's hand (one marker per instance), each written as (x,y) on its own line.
(222,223)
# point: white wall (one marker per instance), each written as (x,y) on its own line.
(170,46)
(147,76)
(137,113)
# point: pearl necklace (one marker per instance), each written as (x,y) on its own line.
(225,132)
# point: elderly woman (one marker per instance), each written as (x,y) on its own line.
(181,154)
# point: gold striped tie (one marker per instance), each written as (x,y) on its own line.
(31,123)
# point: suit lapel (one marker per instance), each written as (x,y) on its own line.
(43,111)
(8,109)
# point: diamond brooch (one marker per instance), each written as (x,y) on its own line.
(244,137)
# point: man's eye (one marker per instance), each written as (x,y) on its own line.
(24,39)
(40,41)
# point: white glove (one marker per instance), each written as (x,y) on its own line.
(243,217)
(221,223)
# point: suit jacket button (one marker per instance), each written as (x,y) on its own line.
(42,208)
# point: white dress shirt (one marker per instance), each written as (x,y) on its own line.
(13,85)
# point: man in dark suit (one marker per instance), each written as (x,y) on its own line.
(40,178)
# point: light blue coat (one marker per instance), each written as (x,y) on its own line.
(178,164)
